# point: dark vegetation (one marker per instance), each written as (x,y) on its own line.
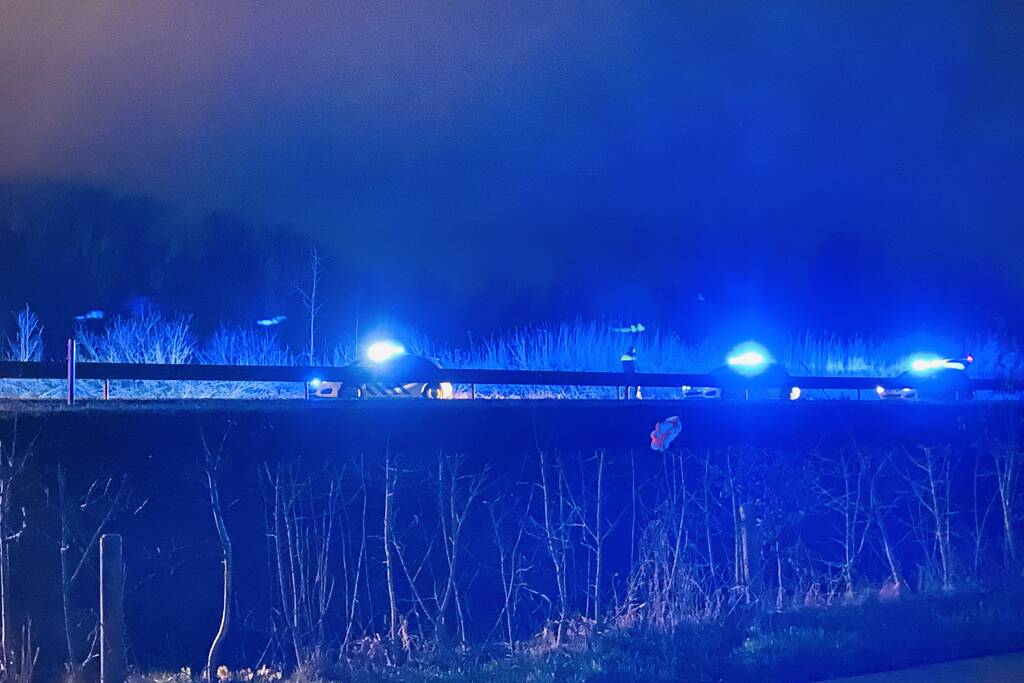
(425,541)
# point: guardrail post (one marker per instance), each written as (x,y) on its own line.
(112,667)
(72,349)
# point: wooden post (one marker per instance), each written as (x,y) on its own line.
(71,372)
(112,666)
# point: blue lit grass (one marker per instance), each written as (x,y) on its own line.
(577,345)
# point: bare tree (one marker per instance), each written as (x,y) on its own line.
(1006,460)
(301,524)
(82,522)
(14,457)
(848,498)
(212,462)
(512,563)
(27,344)
(352,588)
(879,516)
(746,534)
(312,302)
(597,533)
(706,500)
(980,513)
(670,582)
(456,493)
(930,478)
(555,534)
(390,478)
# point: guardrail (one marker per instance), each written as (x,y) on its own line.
(72,370)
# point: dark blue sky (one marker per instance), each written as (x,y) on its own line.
(842,165)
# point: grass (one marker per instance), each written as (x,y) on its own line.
(808,644)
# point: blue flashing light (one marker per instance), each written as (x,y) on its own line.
(383,351)
(926,363)
(749,358)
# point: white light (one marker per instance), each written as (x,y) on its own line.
(446,390)
(925,364)
(315,382)
(383,351)
(747,359)
(794,393)
(880,390)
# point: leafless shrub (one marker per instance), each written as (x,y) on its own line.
(27,344)
(457,493)
(212,461)
(929,474)
(15,661)
(244,346)
(148,337)
(669,581)
(508,524)
(301,515)
(83,519)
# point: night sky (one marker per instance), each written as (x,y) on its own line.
(850,166)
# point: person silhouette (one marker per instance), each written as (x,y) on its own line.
(629,358)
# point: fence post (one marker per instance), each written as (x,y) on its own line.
(112,666)
(71,371)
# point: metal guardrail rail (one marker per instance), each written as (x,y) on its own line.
(72,370)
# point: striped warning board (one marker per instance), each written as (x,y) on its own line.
(377,389)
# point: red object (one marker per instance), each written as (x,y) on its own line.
(665,432)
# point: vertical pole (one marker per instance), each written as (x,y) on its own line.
(472,391)
(305,393)
(71,372)
(106,390)
(112,667)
